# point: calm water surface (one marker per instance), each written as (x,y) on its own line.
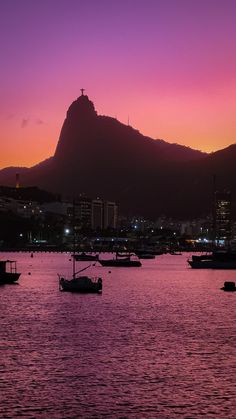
(160,342)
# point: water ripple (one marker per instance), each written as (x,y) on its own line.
(159,342)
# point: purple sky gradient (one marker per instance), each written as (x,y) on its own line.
(170,65)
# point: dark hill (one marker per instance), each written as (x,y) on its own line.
(100,156)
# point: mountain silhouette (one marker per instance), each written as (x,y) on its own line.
(99,156)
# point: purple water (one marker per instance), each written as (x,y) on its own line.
(160,342)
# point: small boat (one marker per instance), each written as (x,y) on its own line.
(85,257)
(205,256)
(8,272)
(121,260)
(214,260)
(229,286)
(148,250)
(145,256)
(81,283)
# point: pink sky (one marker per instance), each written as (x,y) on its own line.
(168,65)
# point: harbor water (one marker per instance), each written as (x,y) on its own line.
(159,342)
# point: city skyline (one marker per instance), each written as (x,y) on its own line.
(167,67)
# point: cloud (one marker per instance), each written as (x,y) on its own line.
(39,121)
(24,122)
(10,116)
(31,120)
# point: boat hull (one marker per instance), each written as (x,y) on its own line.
(83,285)
(212,264)
(86,258)
(120,263)
(146,256)
(9,277)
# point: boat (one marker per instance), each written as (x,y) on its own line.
(150,250)
(81,283)
(121,260)
(206,256)
(85,257)
(229,286)
(218,259)
(145,256)
(8,272)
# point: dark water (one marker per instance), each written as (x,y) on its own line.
(160,342)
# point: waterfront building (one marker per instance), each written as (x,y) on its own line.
(97,214)
(222,216)
(110,214)
(83,212)
(104,214)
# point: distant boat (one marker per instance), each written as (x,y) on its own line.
(145,256)
(121,260)
(150,250)
(219,259)
(229,286)
(8,272)
(85,257)
(81,283)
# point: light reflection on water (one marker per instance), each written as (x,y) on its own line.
(159,342)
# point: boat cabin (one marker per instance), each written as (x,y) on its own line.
(8,266)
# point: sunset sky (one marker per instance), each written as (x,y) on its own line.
(168,65)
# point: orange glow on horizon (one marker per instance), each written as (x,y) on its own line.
(171,71)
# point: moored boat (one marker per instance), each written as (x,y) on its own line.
(8,272)
(216,260)
(145,256)
(229,286)
(85,257)
(121,261)
(81,284)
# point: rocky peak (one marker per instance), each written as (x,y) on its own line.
(81,108)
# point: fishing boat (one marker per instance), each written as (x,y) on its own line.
(121,260)
(8,272)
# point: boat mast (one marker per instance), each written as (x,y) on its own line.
(213,211)
(73,227)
